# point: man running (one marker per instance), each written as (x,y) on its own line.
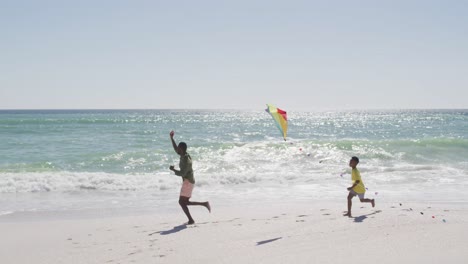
(188,181)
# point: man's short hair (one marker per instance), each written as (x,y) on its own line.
(355,159)
(183,146)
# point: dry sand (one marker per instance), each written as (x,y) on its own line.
(287,232)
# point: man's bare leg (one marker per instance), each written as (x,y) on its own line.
(205,204)
(183,201)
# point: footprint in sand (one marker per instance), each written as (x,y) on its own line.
(326,214)
(133,253)
(302,216)
(323,209)
(300,220)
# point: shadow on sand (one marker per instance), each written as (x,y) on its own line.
(360,219)
(268,241)
(170,231)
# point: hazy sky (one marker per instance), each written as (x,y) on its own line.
(301,55)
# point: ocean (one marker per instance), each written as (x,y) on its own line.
(111,160)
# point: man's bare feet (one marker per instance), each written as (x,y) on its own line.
(373,202)
(347,214)
(190,222)
(208,206)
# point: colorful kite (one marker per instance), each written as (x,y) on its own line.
(280,117)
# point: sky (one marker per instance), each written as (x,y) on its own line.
(298,55)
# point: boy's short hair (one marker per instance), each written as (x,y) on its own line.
(183,146)
(355,159)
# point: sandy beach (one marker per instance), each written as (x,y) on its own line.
(287,232)
(114,112)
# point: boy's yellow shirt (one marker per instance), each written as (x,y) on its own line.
(356,176)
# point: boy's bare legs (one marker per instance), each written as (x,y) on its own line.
(184,203)
(372,201)
(365,200)
(350,203)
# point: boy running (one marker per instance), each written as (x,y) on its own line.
(358,187)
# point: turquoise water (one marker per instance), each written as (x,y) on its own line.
(417,152)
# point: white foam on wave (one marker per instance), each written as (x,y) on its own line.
(6,213)
(72,181)
(251,164)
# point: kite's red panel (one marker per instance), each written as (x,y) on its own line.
(282,113)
